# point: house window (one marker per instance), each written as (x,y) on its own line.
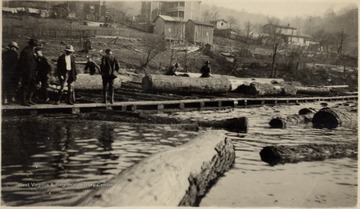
(182,3)
(222,24)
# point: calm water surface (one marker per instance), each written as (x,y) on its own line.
(253,183)
(54,163)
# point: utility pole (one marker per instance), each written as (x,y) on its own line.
(341,42)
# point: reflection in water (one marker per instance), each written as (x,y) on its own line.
(54,163)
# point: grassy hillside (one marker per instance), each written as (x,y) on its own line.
(130,54)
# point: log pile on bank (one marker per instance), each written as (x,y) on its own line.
(178,177)
(309,152)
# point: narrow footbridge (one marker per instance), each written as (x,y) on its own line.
(170,105)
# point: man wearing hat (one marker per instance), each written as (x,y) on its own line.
(172,70)
(66,71)
(205,70)
(27,68)
(9,81)
(109,69)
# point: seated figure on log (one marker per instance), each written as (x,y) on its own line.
(172,70)
(205,70)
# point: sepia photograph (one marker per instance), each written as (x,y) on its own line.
(221,104)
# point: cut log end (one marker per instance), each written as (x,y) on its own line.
(326,118)
(277,122)
(270,155)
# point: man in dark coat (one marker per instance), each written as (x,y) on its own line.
(172,70)
(109,69)
(92,66)
(9,81)
(66,71)
(43,70)
(205,70)
(27,67)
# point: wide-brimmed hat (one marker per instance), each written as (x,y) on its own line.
(13,44)
(176,64)
(69,48)
(34,42)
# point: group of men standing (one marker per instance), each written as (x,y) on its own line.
(28,68)
(31,67)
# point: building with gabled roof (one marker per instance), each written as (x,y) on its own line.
(173,28)
(199,32)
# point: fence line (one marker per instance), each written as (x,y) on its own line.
(9,31)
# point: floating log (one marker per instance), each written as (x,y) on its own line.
(185,85)
(334,117)
(309,152)
(305,116)
(313,90)
(239,125)
(177,177)
(266,89)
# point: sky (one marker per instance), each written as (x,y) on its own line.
(283,8)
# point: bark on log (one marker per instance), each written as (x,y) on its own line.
(239,125)
(310,152)
(87,81)
(305,116)
(178,177)
(313,90)
(334,117)
(185,85)
(266,89)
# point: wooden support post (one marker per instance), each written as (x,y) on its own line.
(236,103)
(160,107)
(75,110)
(133,107)
(202,105)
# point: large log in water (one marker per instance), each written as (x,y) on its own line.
(313,90)
(310,152)
(239,125)
(177,177)
(305,116)
(185,85)
(334,117)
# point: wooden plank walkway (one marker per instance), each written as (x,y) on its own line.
(172,105)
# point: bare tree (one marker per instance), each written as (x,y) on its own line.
(215,12)
(151,47)
(206,15)
(248,29)
(231,22)
(276,42)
